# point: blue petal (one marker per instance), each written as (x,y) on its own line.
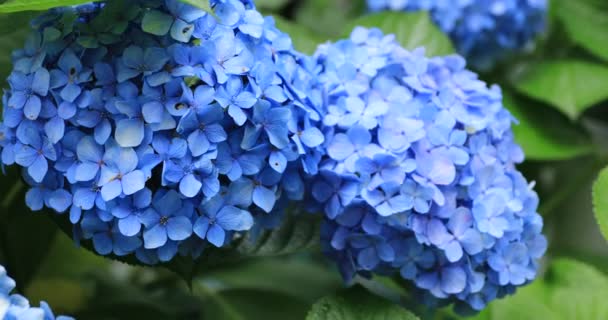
(277,161)
(133,182)
(60,200)
(237,115)
(34,199)
(181,31)
(84,198)
(70,92)
(368,259)
(198,143)
(155,58)
(264,198)
(25,156)
(88,150)
(66,110)
(216,235)
(103,131)
(312,137)
(41,82)
(86,171)
(340,147)
(233,218)
(111,190)
(189,186)
(201,226)
(54,129)
(215,133)
(129,132)
(38,169)
(102,243)
(179,228)
(453,280)
(155,237)
(32,107)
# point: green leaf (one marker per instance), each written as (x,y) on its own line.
(543,133)
(328,17)
(307,279)
(572,86)
(569,290)
(412,29)
(204,5)
(156,23)
(586,22)
(251,304)
(299,231)
(271,4)
(304,39)
(600,201)
(25,237)
(14,28)
(38,5)
(355,304)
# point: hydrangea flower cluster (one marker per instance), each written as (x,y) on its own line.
(483,31)
(17,307)
(159,127)
(419,176)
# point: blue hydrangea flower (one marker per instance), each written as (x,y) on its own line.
(16,307)
(160,128)
(418,177)
(482,31)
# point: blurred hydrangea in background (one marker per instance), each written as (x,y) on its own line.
(17,307)
(158,127)
(482,31)
(419,174)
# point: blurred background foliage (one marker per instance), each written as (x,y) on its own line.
(558,90)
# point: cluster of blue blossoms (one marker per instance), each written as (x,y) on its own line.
(16,307)
(419,173)
(159,127)
(483,31)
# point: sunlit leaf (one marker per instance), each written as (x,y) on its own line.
(600,201)
(357,304)
(38,5)
(412,29)
(543,133)
(571,86)
(586,22)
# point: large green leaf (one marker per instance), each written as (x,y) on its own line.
(13,30)
(544,133)
(569,290)
(328,17)
(412,29)
(25,237)
(586,22)
(299,231)
(250,304)
(306,279)
(572,86)
(38,5)
(357,304)
(600,201)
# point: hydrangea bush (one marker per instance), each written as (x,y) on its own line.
(483,31)
(162,129)
(17,307)
(159,127)
(419,173)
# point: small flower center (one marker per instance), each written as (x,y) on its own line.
(164,220)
